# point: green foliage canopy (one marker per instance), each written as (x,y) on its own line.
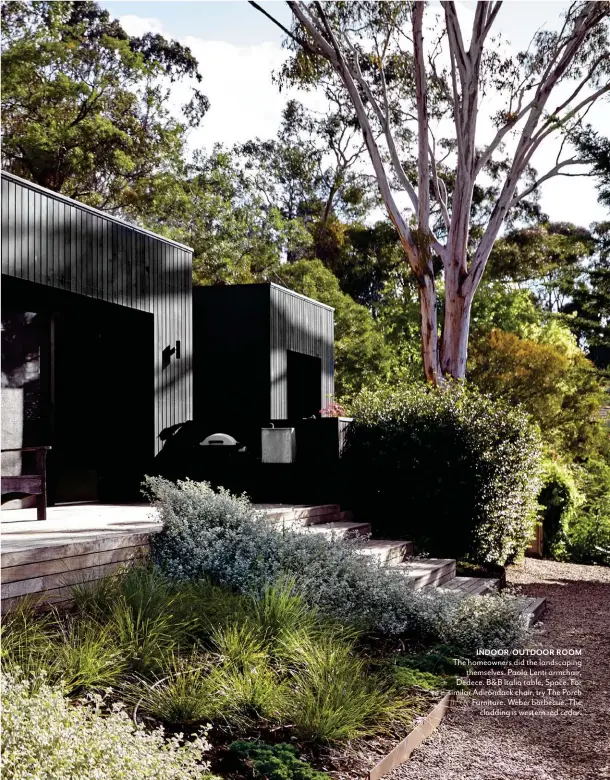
(85,105)
(361,356)
(559,389)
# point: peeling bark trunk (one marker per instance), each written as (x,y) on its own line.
(429,330)
(456,325)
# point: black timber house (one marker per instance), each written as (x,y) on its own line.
(97,348)
(264,354)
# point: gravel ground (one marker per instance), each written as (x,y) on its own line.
(472,746)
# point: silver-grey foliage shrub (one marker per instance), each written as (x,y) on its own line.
(46,736)
(216,535)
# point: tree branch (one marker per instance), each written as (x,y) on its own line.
(554,171)
(421,99)
(333,53)
(441,196)
(562,58)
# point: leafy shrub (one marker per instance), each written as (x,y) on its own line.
(275,762)
(588,536)
(44,736)
(439,660)
(212,534)
(558,499)
(209,534)
(415,678)
(451,469)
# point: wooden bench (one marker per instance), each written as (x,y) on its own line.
(30,484)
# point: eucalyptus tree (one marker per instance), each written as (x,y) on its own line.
(415,84)
(307,172)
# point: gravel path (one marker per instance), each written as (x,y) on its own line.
(472,746)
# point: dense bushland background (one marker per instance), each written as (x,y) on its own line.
(296,209)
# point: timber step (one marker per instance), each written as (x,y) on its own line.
(340,530)
(472,586)
(299,516)
(387,552)
(428,572)
(533,609)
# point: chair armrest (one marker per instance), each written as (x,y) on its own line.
(27,449)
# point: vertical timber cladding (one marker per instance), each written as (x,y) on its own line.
(57,242)
(301,325)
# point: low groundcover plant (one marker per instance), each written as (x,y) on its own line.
(45,736)
(208,533)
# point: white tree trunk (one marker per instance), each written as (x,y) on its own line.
(462,272)
(456,324)
(429,329)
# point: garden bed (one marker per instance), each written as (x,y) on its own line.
(290,646)
(268,671)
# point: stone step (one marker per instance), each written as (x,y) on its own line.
(428,572)
(388,552)
(472,586)
(340,530)
(344,516)
(532,608)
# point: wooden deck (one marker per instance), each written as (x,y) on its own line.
(81,543)
(77,543)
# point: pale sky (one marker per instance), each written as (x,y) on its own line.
(238,49)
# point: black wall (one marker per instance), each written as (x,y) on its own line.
(57,243)
(242,338)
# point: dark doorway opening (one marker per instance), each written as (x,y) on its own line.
(304,375)
(103,402)
(95,403)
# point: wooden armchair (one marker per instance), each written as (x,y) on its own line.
(30,484)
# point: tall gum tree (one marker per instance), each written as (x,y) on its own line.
(401,77)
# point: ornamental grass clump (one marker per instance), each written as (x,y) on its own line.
(73,654)
(181,695)
(143,613)
(449,468)
(336,696)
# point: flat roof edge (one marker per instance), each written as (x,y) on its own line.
(299,295)
(58,196)
(264,284)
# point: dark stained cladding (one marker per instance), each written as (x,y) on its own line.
(262,353)
(54,242)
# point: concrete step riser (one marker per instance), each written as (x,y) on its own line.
(309,515)
(294,523)
(331,517)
